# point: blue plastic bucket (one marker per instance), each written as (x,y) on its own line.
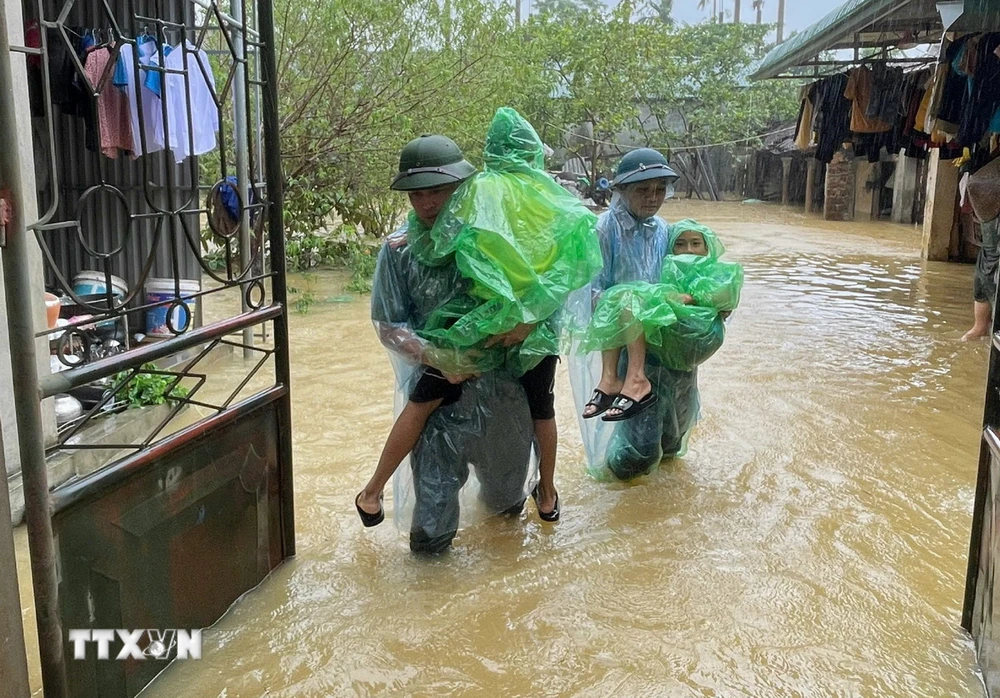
(165,291)
(88,283)
(92,283)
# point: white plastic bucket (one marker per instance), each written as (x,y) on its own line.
(164,291)
(89,282)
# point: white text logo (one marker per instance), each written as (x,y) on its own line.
(138,644)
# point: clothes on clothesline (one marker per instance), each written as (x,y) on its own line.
(834,122)
(951,107)
(113,126)
(122,94)
(186,135)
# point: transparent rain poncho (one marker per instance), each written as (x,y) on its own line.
(475,457)
(523,241)
(639,293)
(680,334)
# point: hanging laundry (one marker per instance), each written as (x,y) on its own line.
(920,121)
(886,101)
(860,88)
(190,90)
(114,129)
(833,117)
(914,141)
(145,110)
(66,91)
(983,96)
(152,77)
(953,89)
(804,129)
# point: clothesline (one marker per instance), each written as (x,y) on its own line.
(949,107)
(672,148)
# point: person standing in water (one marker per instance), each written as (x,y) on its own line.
(487,430)
(658,312)
(634,243)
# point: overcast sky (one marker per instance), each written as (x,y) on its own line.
(798,14)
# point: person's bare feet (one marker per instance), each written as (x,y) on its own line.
(634,389)
(976,333)
(370,502)
(546,498)
(608,386)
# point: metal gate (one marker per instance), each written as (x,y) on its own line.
(185,501)
(979,613)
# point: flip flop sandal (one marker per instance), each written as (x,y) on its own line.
(367,519)
(602,401)
(629,407)
(550,516)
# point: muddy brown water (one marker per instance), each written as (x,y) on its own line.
(813,542)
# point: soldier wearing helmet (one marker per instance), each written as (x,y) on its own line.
(653,407)
(487,431)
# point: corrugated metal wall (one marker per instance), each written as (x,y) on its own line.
(103,220)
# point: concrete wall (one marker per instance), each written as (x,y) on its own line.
(940,209)
(13,660)
(840,187)
(865,173)
(904,190)
(22,141)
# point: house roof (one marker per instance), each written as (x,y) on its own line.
(866,24)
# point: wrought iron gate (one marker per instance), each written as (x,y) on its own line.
(173,510)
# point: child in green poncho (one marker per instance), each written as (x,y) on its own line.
(678,320)
(523,243)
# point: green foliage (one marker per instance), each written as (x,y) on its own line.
(147,388)
(357,79)
(602,68)
(712,93)
(216,259)
(562,8)
(361,260)
(660,11)
(303,298)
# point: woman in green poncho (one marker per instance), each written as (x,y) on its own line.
(524,243)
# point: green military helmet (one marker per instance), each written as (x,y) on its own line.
(642,164)
(431,161)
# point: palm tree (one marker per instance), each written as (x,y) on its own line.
(702,4)
(662,12)
(737,8)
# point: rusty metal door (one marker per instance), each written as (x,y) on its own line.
(979,613)
(179,495)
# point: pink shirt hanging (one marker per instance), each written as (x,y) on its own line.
(114,125)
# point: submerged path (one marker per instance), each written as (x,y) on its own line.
(813,542)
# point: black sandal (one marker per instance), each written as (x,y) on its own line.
(550,516)
(602,401)
(367,519)
(629,407)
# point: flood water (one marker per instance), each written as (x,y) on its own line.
(812,543)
